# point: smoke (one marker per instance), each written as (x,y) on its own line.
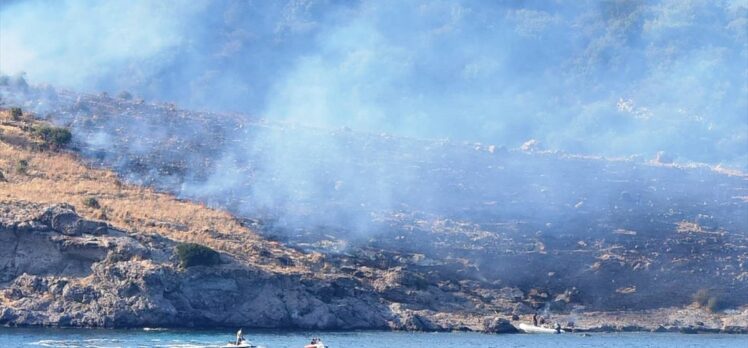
(610,78)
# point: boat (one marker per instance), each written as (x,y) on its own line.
(240,342)
(316,343)
(243,344)
(527,328)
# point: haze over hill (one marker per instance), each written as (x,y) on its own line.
(614,78)
(587,227)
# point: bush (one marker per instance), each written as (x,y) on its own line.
(22,166)
(16,113)
(91,202)
(707,300)
(701,297)
(191,254)
(2,176)
(714,304)
(124,95)
(54,137)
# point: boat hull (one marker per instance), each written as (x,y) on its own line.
(536,329)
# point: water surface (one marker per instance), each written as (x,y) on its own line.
(82,338)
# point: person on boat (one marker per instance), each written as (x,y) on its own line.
(557,326)
(535,319)
(239,337)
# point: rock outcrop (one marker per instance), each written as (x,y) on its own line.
(58,269)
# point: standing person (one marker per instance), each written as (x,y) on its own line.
(535,319)
(239,337)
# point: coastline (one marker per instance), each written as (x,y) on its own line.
(687,320)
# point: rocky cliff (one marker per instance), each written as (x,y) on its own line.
(60,269)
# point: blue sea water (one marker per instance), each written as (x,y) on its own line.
(90,338)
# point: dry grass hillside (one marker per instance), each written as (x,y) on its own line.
(37,173)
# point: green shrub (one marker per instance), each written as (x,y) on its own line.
(191,254)
(2,176)
(22,166)
(91,202)
(16,113)
(54,137)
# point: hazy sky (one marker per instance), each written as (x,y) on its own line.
(599,77)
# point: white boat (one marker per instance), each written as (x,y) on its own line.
(243,344)
(240,342)
(527,328)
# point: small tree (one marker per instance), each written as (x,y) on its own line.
(16,113)
(91,202)
(22,166)
(192,254)
(54,137)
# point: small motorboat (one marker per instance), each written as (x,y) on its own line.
(240,342)
(243,344)
(532,329)
(316,343)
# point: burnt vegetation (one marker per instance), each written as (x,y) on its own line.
(510,230)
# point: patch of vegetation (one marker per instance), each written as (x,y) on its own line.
(53,137)
(91,202)
(16,113)
(714,304)
(192,254)
(22,166)
(2,176)
(124,95)
(707,300)
(701,297)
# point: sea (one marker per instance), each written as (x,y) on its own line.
(101,338)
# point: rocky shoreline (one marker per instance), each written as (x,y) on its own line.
(58,269)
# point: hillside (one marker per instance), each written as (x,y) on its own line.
(467,231)
(67,263)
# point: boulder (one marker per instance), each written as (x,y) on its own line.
(62,219)
(498,325)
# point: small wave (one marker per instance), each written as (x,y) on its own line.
(155,329)
(56,343)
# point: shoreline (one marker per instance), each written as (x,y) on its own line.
(692,321)
(680,331)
